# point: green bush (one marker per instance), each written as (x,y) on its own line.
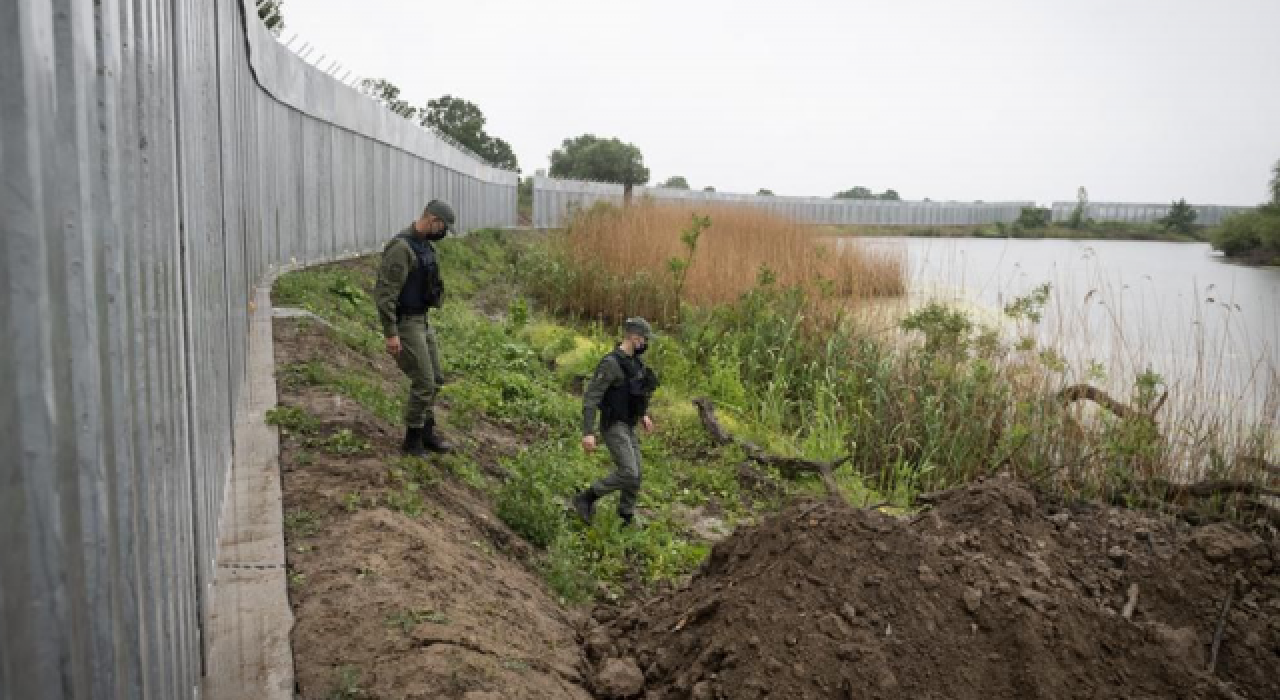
(1251,233)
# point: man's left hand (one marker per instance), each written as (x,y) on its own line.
(647,422)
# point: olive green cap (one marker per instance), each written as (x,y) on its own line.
(637,326)
(441,210)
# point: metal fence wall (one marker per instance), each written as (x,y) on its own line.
(555,199)
(158,158)
(1206,214)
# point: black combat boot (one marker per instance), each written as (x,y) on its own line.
(413,443)
(584,504)
(431,440)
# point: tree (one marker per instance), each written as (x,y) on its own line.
(1032,217)
(592,158)
(891,195)
(762,192)
(1275,185)
(858,192)
(708,188)
(676,182)
(269,11)
(388,94)
(463,121)
(1079,215)
(1181,217)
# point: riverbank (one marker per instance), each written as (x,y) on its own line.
(1099,231)
(462,577)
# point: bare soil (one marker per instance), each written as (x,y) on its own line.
(989,595)
(438,606)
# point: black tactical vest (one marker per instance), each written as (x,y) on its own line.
(423,289)
(629,401)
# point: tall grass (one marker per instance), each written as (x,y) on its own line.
(793,335)
(619,261)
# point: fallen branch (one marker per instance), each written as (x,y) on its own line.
(789,466)
(1082,392)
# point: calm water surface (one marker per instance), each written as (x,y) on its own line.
(1209,327)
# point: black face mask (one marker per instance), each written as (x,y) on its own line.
(640,350)
(436,236)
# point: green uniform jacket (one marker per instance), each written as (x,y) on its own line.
(608,374)
(398,260)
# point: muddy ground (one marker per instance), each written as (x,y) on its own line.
(991,594)
(442,605)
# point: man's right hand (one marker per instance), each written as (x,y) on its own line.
(393,346)
(589,443)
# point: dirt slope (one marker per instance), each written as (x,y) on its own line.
(393,606)
(990,595)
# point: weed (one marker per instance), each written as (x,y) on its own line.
(407,499)
(406,620)
(347,684)
(297,579)
(291,419)
(344,442)
(304,459)
(301,523)
(352,501)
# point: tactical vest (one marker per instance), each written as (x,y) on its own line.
(629,401)
(423,289)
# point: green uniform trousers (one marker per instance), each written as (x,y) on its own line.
(416,344)
(624,447)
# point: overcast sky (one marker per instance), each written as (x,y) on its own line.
(1138,100)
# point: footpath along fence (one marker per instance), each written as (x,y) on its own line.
(159,158)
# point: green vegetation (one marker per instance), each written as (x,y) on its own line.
(1180,219)
(292,419)
(406,620)
(860,192)
(675,182)
(589,157)
(792,365)
(301,523)
(347,684)
(1253,236)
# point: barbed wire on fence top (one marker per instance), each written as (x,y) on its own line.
(356,82)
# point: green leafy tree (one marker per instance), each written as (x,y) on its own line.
(676,182)
(1079,215)
(1181,217)
(1275,185)
(463,121)
(592,158)
(858,192)
(270,12)
(1032,217)
(762,192)
(891,195)
(388,94)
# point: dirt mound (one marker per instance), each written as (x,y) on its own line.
(989,595)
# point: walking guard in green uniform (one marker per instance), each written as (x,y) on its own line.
(620,390)
(409,286)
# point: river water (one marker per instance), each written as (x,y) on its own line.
(1210,328)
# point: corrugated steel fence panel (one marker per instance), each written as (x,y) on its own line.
(158,158)
(554,200)
(1134,212)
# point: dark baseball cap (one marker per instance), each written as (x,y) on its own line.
(638,326)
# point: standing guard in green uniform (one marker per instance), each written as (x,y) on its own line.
(620,390)
(409,286)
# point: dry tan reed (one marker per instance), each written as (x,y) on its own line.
(622,258)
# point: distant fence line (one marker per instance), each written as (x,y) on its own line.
(158,159)
(555,199)
(1206,214)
